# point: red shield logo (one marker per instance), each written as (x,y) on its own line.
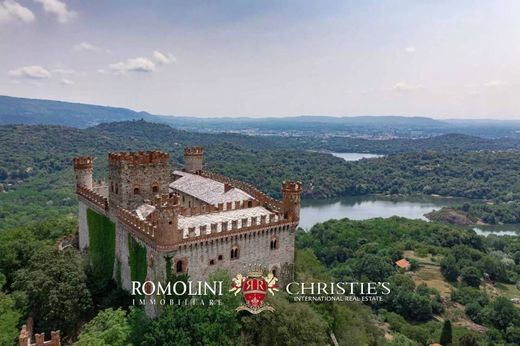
(254,288)
(254,291)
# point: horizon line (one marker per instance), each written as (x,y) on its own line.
(270,116)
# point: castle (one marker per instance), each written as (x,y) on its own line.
(188,221)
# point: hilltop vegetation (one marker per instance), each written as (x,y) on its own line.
(35,166)
(366,251)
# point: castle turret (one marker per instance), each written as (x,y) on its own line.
(136,176)
(166,218)
(83,170)
(194,159)
(291,192)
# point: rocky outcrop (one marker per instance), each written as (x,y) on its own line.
(451,216)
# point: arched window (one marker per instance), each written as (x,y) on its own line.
(111,186)
(136,191)
(155,188)
(274,243)
(117,189)
(179,267)
(235,253)
(274,270)
(147,287)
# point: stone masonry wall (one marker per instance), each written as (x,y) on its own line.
(254,248)
(126,179)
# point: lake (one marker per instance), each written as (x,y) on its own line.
(355,156)
(372,206)
(368,207)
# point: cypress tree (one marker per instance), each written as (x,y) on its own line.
(446,334)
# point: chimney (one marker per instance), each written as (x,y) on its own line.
(227,187)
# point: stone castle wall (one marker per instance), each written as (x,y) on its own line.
(254,248)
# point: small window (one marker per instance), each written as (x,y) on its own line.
(136,191)
(274,244)
(179,267)
(234,252)
(211,262)
(274,271)
(220,257)
(117,189)
(155,188)
(111,187)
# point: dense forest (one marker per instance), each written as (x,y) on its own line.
(38,158)
(366,251)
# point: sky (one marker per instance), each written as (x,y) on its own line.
(436,58)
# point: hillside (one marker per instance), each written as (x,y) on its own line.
(15,110)
(38,158)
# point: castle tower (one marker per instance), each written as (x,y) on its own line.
(83,171)
(194,159)
(291,192)
(166,218)
(136,176)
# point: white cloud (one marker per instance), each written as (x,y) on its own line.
(405,87)
(30,72)
(496,83)
(64,71)
(13,11)
(410,49)
(133,65)
(163,58)
(85,46)
(66,81)
(58,9)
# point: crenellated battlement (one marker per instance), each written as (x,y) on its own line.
(138,157)
(234,227)
(165,200)
(26,335)
(140,227)
(264,199)
(82,162)
(292,186)
(92,196)
(193,151)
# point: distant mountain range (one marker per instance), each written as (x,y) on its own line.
(14,110)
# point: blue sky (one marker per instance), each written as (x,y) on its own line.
(444,59)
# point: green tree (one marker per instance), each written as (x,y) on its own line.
(374,268)
(292,324)
(55,283)
(503,313)
(468,340)
(110,327)
(9,318)
(513,335)
(446,334)
(449,268)
(193,325)
(471,276)
(401,340)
